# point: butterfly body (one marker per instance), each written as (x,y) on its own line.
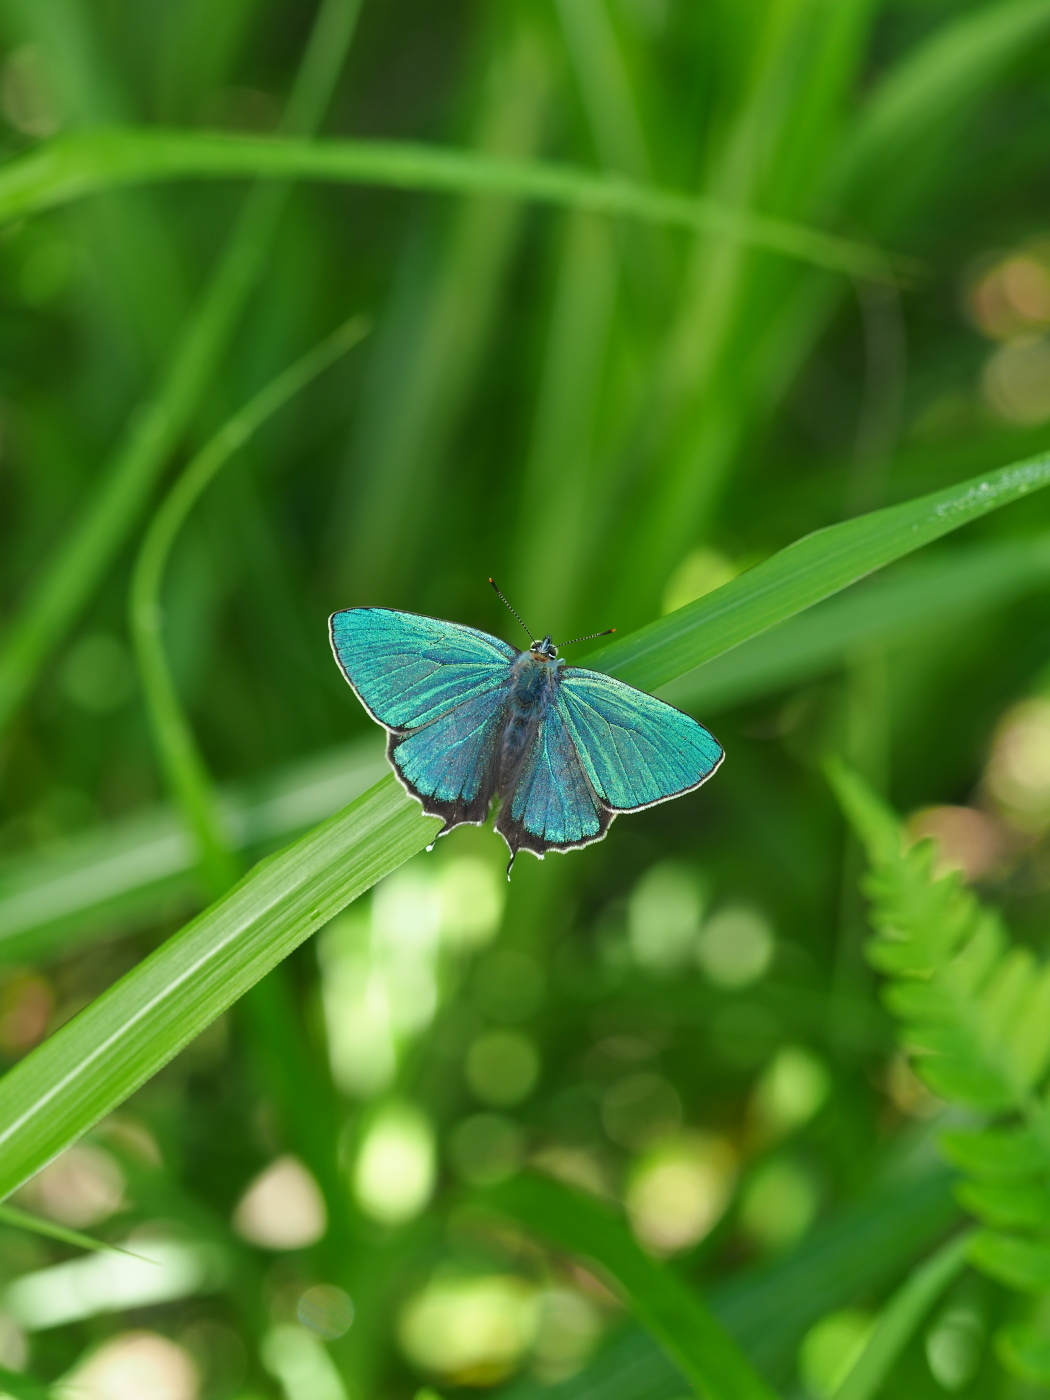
(471,719)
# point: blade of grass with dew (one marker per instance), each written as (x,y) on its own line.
(93,1062)
(672,1313)
(944,592)
(72,167)
(180,758)
(78,564)
(901,1317)
(805,572)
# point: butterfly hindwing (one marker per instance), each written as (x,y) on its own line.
(449,763)
(552,803)
(409,670)
(635,749)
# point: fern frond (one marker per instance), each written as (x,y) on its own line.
(974,1015)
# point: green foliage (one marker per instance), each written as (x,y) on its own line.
(975,1016)
(687,318)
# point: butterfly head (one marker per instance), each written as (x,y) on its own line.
(545,650)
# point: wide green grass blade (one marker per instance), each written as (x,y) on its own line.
(944,592)
(123,1037)
(91,1064)
(673,1313)
(901,1318)
(806,572)
(72,167)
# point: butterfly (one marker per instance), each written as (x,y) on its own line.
(470,718)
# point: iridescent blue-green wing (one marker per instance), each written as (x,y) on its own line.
(407,670)
(451,764)
(441,690)
(552,805)
(636,750)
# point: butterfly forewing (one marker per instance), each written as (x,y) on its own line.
(635,749)
(408,669)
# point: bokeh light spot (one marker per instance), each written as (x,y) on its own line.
(282,1208)
(394,1172)
(678,1191)
(735,946)
(663,917)
(778,1204)
(640,1109)
(502,1067)
(470,1331)
(326,1310)
(132,1366)
(791,1090)
(486,1148)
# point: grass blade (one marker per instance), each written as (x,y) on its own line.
(81,560)
(93,1062)
(941,592)
(180,756)
(900,1318)
(127,1034)
(72,167)
(116,878)
(673,1313)
(23,1220)
(807,571)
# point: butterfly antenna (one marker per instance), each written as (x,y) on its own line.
(607,633)
(513,610)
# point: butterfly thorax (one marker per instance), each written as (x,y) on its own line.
(534,678)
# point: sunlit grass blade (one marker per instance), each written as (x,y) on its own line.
(673,1313)
(91,1064)
(901,1318)
(805,572)
(75,166)
(123,1037)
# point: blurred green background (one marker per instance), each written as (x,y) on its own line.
(613,419)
